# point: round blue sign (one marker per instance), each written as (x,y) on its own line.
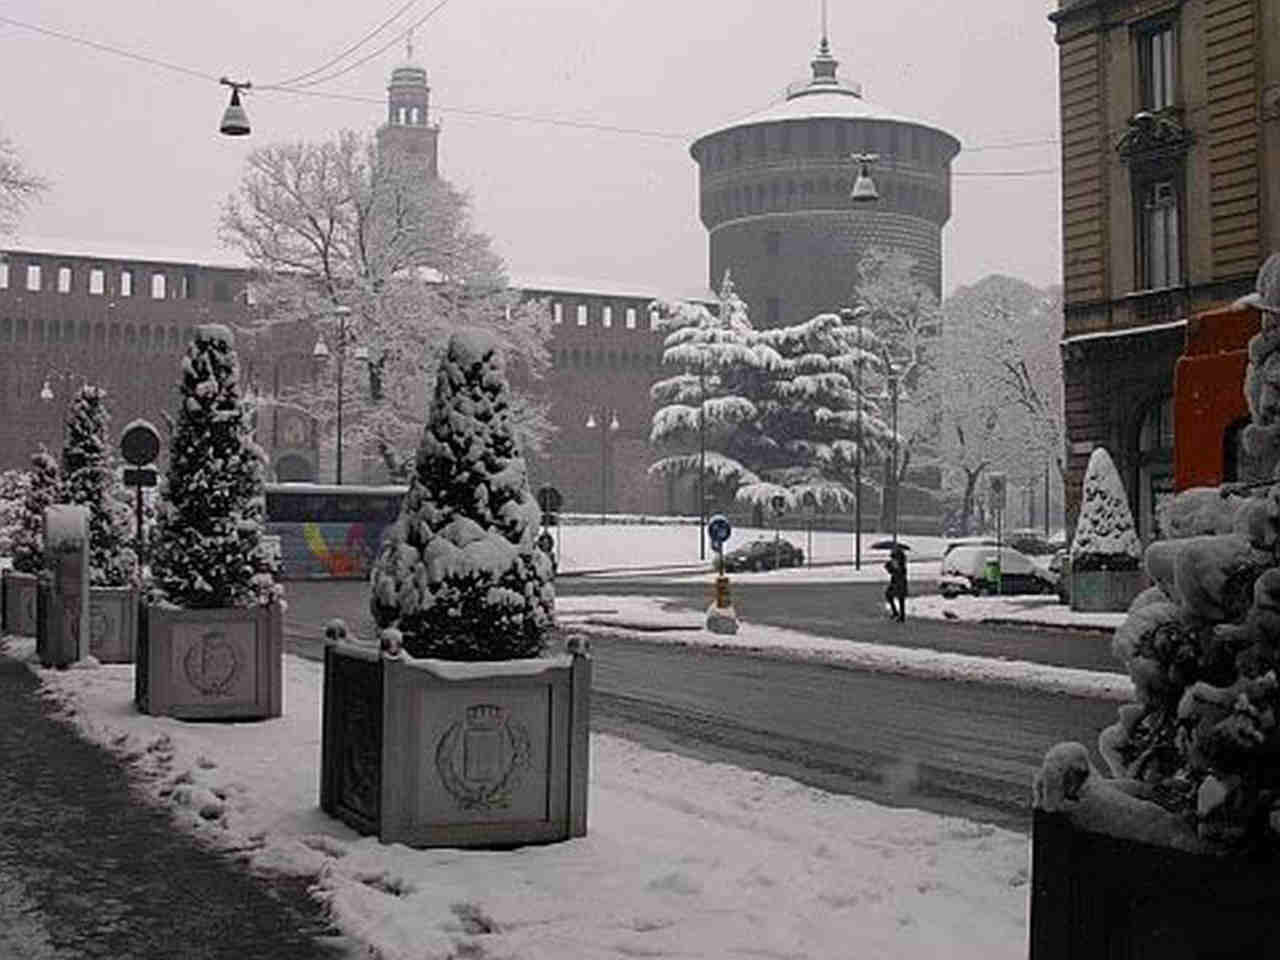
(718,529)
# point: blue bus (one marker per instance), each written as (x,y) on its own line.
(327,531)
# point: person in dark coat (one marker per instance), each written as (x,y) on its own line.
(896,592)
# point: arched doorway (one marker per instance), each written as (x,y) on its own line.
(1155,466)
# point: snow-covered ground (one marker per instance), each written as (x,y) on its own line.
(682,858)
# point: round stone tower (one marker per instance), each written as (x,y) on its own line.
(774,195)
(408,130)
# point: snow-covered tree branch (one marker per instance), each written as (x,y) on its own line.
(18,186)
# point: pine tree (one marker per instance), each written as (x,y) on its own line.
(1105,537)
(89,480)
(459,575)
(14,485)
(208,548)
(45,488)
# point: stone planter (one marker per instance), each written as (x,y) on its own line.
(433,753)
(113,629)
(1106,591)
(19,603)
(1098,896)
(224,663)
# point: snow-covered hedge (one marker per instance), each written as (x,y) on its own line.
(459,576)
(45,488)
(209,548)
(1105,537)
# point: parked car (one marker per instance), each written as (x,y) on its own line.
(964,570)
(969,542)
(763,554)
(1031,542)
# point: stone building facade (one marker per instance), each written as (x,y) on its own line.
(1170,123)
(774,195)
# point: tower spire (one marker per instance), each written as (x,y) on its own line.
(824,65)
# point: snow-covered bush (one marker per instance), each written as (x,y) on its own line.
(44,488)
(459,576)
(1105,537)
(88,480)
(209,549)
(13,492)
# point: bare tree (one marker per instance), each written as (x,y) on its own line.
(18,186)
(339,224)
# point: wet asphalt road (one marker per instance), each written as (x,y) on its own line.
(87,873)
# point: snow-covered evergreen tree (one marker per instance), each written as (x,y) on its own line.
(208,548)
(45,488)
(459,576)
(13,491)
(1105,536)
(89,480)
(723,370)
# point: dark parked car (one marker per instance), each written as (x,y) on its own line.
(965,570)
(763,554)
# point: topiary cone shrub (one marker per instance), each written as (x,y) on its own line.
(1106,537)
(207,550)
(44,489)
(459,576)
(89,480)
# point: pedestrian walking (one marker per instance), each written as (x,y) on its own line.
(896,592)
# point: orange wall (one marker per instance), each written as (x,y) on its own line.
(1208,392)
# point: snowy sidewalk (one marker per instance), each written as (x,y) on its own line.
(683,858)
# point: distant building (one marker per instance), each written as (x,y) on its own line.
(122,317)
(774,196)
(1170,121)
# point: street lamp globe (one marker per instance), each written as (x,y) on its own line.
(46,392)
(320,351)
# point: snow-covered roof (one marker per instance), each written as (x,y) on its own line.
(1126,332)
(823,101)
(123,250)
(608,288)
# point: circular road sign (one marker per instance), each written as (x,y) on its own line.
(718,529)
(549,499)
(139,443)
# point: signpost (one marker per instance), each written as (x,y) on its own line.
(550,500)
(996,493)
(721,617)
(140,445)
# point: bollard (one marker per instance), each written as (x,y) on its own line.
(63,637)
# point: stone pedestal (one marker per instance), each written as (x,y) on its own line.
(113,624)
(19,603)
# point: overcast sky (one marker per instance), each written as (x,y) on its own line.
(134,154)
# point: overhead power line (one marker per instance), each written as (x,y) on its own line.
(296,88)
(351,49)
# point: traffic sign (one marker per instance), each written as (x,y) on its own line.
(140,476)
(718,529)
(139,443)
(549,499)
(997,491)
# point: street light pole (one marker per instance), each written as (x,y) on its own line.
(893,395)
(321,352)
(702,457)
(847,314)
(608,424)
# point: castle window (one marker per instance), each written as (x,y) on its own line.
(126,282)
(557,312)
(250,295)
(4,275)
(97,281)
(33,276)
(1156,73)
(653,318)
(64,279)
(1158,238)
(157,286)
(582,314)
(606,315)
(631,318)
(188,285)
(401,115)
(413,116)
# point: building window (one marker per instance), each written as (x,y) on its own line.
(631,318)
(97,281)
(606,316)
(653,318)
(773,243)
(413,116)
(33,276)
(157,286)
(126,283)
(557,312)
(4,276)
(1158,240)
(1156,67)
(64,279)
(188,286)
(582,314)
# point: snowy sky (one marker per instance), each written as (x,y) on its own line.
(134,156)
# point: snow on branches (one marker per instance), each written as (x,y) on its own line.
(459,576)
